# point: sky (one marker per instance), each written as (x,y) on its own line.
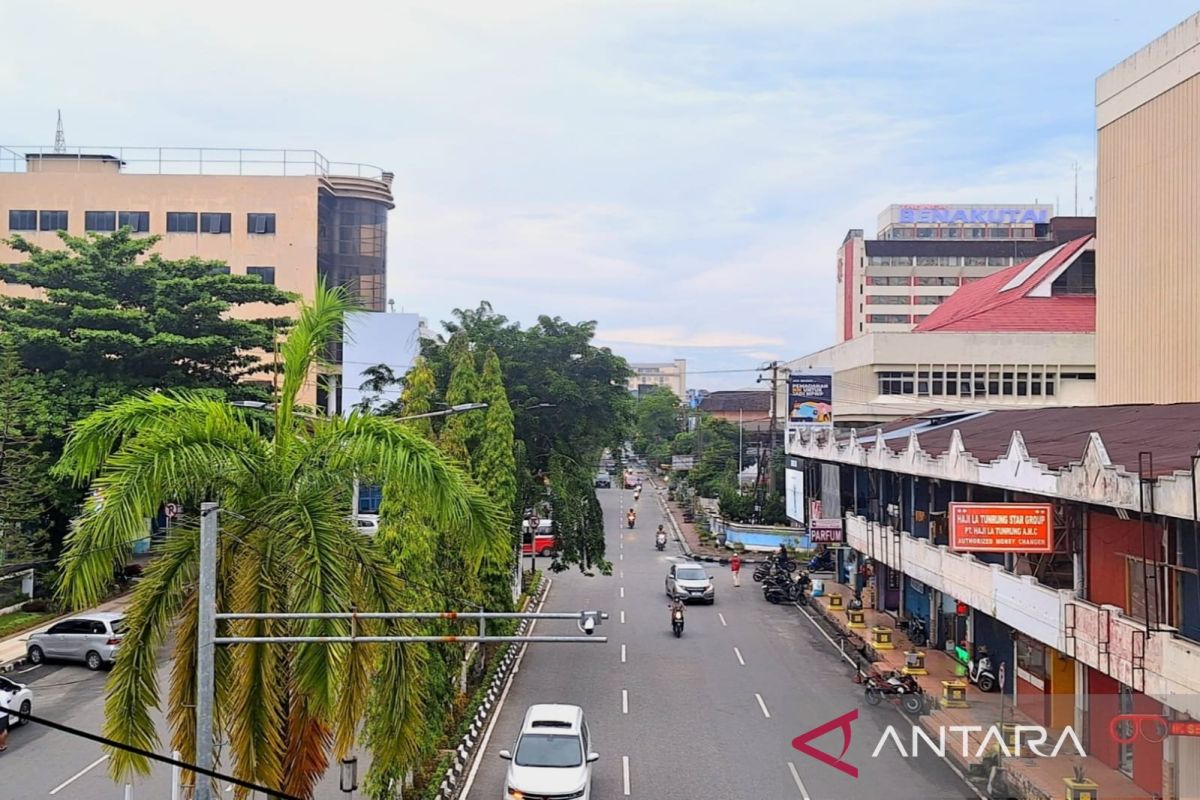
(680,171)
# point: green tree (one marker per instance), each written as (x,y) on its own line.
(25,483)
(656,423)
(283,482)
(460,433)
(716,441)
(495,469)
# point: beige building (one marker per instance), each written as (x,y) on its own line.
(1148,209)
(671,374)
(289,217)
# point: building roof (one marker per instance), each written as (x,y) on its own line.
(1018,299)
(748,400)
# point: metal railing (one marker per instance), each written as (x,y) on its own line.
(193,161)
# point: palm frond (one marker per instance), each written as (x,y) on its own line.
(318,325)
(309,740)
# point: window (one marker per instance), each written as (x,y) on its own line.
(886,280)
(267,274)
(181,222)
(1000,233)
(925,233)
(52,220)
(976,233)
(937,261)
(895,383)
(974,261)
(22,220)
(137,221)
(929,299)
(1079,376)
(919,317)
(889,318)
(100,221)
(214,222)
(936,281)
(887,300)
(260,223)
(1078,279)
(219,269)
(953,233)
(999,261)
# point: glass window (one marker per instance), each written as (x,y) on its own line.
(999,261)
(953,233)
(886,280)
(214,222)
(993,386)
(548,750)
(137,221)
(181,222)
(925,233)
(219,269)
(267,274)
(929,299)
(1022,384)
(100,221)
(889,318)
(52,220)
(935,280)
(975,261)
(260,223)
(976,233)
(1000,233)
(22,220)
(887,300)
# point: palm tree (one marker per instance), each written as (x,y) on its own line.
(283,485)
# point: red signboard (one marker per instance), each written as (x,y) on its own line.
(1183,727)
(826,531)
(1002,527)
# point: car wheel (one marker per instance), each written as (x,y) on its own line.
(26,710)
(545,552)
(36,656)
(93,660)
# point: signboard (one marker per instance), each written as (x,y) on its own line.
(1002,527)
(683,462)
(810,400)
(1183,727)
(171,510)
(973,215)
(814,509)
(794,494)
(825,531)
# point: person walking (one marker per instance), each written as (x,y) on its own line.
(735,566)
(4,701)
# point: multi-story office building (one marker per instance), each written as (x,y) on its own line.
(290,217)
(1148,211)
(923,253)
(671,374)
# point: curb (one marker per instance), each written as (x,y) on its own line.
(687,548)
(467,750)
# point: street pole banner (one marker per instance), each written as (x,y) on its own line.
(810,400)
(681,463)
(794,494)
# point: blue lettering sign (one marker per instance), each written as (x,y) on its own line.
(979,215)
(924,215)
(907,215)
(941,215)
(959,216)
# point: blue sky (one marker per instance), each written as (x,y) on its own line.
(681,171)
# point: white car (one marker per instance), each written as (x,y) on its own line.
(15,696)
(368,524)
(552,759)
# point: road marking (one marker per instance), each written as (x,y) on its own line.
(622,654)
(625,771)
(624,701)
(78,775)
(799,783)
(620,556)
(622,575)
(738,653)
(762,705)
(622,617)
(622,591)
(487,735)
(721,617)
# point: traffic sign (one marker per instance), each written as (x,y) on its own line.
(1000,676)
(534,524)
(171,510)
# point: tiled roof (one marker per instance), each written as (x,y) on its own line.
(992,304)
(754,400)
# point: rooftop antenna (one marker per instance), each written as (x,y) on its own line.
(1075,166)
(60,139)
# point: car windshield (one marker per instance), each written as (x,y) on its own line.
(692,574)
(118,626)
(548,750)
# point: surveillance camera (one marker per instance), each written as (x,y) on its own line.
(588,624)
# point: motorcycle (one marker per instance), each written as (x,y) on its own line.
(822,562)
(660,541)
(773,566)
(677,619)
(916,631)
(630,520)
(980,672)
(896,688)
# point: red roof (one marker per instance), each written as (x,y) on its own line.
(985,306)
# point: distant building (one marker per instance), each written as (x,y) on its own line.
(671,374)
(923,253)
(750,408)
(1022,337)
(290,217)
(1148,171)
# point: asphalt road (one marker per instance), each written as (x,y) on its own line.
(709,715)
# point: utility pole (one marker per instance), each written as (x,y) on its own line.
(759,491)
(206,632)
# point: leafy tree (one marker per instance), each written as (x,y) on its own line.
(656,418)
(283,484)
(24,480)
(460,433)
(495,469)
(380,378)
(716,440)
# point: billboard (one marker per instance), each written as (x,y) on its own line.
(793,486)
(810,400)
(1002,527)
(683,462)
(826,531)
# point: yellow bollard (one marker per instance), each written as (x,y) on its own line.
(954,694)
(856,618)
(914,663)
(1081,789)
(881,638)
(835,600)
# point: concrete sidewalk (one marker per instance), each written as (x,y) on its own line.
(1034,777)
(12,649)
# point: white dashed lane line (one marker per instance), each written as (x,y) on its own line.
(762,705)
(799,783)
(721,617)
(624,701)
(738,653)
(622,592)
(625,771)
(622,654)
(622,617)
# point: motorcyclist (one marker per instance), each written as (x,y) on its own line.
(782,555)
(676,607)
(631,517)
(660,535)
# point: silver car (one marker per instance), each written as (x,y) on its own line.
(91,638)
(689,581)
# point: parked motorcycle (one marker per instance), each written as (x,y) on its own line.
(916,631)
(660,541)
(980,671)
(821,562)
(677,619)
(897,688)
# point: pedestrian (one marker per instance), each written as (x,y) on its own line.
(735,566)
(4,701)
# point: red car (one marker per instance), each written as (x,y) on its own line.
(541,541)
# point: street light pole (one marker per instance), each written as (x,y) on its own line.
(206,632)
